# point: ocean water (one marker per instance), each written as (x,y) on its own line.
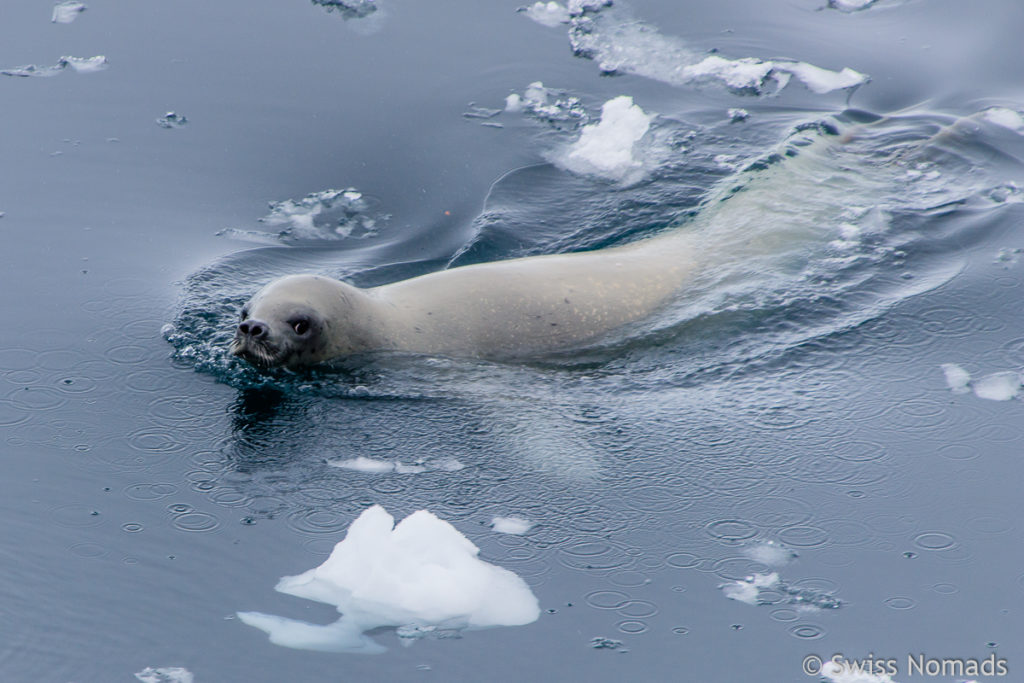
(812,450)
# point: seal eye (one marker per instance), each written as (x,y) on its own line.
(300,326)
(245,313)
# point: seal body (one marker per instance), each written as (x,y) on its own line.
(504,309)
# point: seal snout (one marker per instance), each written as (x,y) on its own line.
(253,329)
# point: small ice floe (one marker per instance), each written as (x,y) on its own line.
(325,215)
(850,5)
(547,13)
(373,466)
(420,577)
(769,553)
(85,65)
(749,590)
(603,643)
(847,672)
(476,112)
(618,43)
(517,526)
(79,64)
(349,9)
(1007,118)
(66,12)
(1007,256)
(770,589)
(548,106)
(737,115)
(957,379)
(819,80)
(998,386)
(171,120)
(608,148)
(165,674)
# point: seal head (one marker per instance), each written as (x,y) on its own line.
(285,323)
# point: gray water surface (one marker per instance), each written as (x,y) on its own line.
(154,486)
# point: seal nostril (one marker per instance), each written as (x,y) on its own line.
(253,328)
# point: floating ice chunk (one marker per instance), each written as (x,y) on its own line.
(165,674)
(66,12)
(421,574)
(999,386)
(548,105)
(740,74)
(850,5)
(749,590)
(511,525)
(769,553)
(372,466)
(447,465)
(957,378)
(754,590)
(171,120)
(737,115)
(1008,256)
(362,464)
(1007,118)
(79,64)
(547,13)
(620,44)
(846,672)
(475,112)
(349,9)
(85,64)
(606,148)
(324,215)
(820,80)
(603,643)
